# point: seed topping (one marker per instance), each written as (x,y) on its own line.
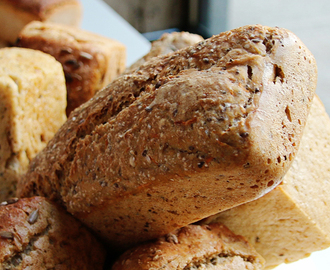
(33,216)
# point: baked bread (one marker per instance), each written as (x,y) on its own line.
(186,136)
(15,14)
(90,61)
(37,234)
(193,247)
(168,42)
(32,108)
(292,220)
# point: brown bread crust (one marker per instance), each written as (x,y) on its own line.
(186,136)
(193,247)
(37,234)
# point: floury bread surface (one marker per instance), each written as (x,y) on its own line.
(32,108)
(292,220)
(37,234)
(188,135)
(193,247)
(15,14)
(90,61)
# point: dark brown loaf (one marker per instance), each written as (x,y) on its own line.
(36,234)
(193,247)
(188,135)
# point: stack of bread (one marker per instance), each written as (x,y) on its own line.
(196,157)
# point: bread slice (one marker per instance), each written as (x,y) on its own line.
(193,247)
(15,14)
(90,61)
(37,234)
(188,135)
(168,42)
(292,220)
(32,108)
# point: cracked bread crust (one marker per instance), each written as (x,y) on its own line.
(188,135)
(193,247)
(36,234)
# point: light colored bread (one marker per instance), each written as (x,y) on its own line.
(188,135)
(168,42)
(32,108)
(90,61)
(193,247)
(15,14)
(293,220)
(37,234)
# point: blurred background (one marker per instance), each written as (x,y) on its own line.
(309,20)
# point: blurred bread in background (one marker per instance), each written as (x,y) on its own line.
(15,14)
(32,108)
(292,221)
(90,61)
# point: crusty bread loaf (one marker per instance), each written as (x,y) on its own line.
(90,61)
(37,234)
(32,108)
(15,14)
(193,247)
(188,135)
(168,42)
(292,220)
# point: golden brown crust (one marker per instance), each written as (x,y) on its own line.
(36,233)
(193,247)
(189,134)
(168,42)
(90,61)
(42,8)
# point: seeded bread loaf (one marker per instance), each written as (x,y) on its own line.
(292,220)
(32,108)
(188,135)
(193,247)
(37,234)
(90,61)
(168,42)
(15,14)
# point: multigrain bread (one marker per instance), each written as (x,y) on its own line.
(32,108)
(37,234)
(193,247)
(188,135)
(168,42)
(292,220)
(90,61)
(15,14)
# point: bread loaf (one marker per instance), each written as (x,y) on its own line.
(168,42)
(292,220)
(188,135)
(32,108)
(15,14)
(193,247)
(90,61)
(37,234)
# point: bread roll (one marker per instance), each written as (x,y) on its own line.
(168,42)
(15,14)
(292,220)
(37,234)
(193,247)
(188,135)
(32,108)
(90,61)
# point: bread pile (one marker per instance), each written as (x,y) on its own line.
(185,133)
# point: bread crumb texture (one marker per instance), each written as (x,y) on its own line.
(32,108)
(185,136)
(291,221)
